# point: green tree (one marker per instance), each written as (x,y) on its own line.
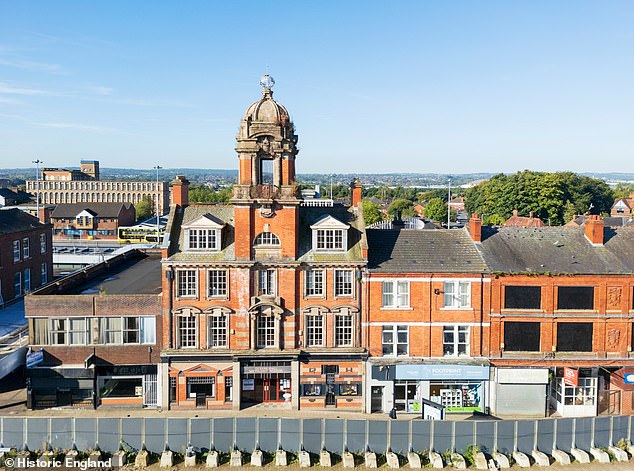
(144,208)
(371,212)
(403,206)
(436,210)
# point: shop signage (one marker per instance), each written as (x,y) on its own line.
(265,369)
(248,384)
(628,378)
(571,376)
(34,358)
(442,372)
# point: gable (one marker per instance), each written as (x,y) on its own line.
(329,222)
(86,213)
(206,221)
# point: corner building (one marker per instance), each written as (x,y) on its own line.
(262,296)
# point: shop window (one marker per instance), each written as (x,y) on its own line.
(265,331)
(173,381)
(522,336)
(522,297)
(457,294)
(574,336)
(203,385)
(186,283)
(122,387)
(228,388)
(584,394)
(349,389)
(266,282)
(343,283)
(395,294)
(312,389)
(314,282)
(575,297)
(344,325)
(186,331)
(395,340)
(314,330)
(217,335)
(266,239)
(457,397)
(217,284)
(456,340)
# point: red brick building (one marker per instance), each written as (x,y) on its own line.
(26,254)
(91,220)
(263,295)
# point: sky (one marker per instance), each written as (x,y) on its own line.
(374,87)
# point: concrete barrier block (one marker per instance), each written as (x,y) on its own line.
(167,459)
(256,458)
(561,457)
(481,461)
(501,460)
(541,459)
(119,459)
(348,459)
(212,459)
(521,459)
(280,458)
(304,459)
(414,460)
(325,459)
(370,459)
(142,459)
(619,454)
(436,460)
(71,455)
(236,458)
(190,460)
(580,455)
(392,460)
(600,455)
(493,465)
(458,461)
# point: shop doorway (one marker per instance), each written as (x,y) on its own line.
(376,400)
(271,390)
(405,395)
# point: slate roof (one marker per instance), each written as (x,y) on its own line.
(556,250)
(104,210)
(418,251)
(14,220)
(613,221)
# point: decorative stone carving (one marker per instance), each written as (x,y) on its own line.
(613,338)
(614,297)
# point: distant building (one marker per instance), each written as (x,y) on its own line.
(8,197)
(84,186)
(622,207)
(522,221)
(91,220)
(26,255)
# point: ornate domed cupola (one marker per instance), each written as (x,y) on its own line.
(267,146)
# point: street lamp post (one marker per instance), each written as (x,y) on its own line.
(37,195)
(331,175)
(158,195)
(449,204)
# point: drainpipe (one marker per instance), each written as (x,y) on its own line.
(169,274)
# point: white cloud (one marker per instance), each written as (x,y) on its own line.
(76,126)
(7,89)
(101,90)
(33,66)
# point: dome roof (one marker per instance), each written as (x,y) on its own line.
(267,110)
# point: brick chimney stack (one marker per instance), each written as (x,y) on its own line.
(355,190)
(44,215)
(475,228)
(593,227)
(180,191)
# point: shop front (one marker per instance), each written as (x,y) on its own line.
(574,391)
(459,388)
(129,385)
(266,381)
(519,392)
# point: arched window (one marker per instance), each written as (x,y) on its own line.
(267,238)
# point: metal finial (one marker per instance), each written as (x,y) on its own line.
(267,82)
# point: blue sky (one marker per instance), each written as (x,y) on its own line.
(420,86)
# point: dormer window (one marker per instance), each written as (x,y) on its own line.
(266,239)
(204,233)
(330,235)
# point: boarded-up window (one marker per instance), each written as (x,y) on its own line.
(521,336)
(522,297)
(575,297)
(574,337)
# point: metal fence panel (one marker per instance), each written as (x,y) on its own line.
(583,433)
(620,428)
(156,436)
(131,432)
(525,435)
(108,434)
(268,435)
(377,435)
(333,440)
(200,433)
(421,435)
(177,434)
(37,433)
(12,432)
(485,436)
(443,436)
(355,436)
(311,441)
(399,436)
(602,431)
(61,432)
(505,436)
(85,433)
(564,438)
(245,434)
(223,434)
(290,434)
(545,435)
(463,435)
